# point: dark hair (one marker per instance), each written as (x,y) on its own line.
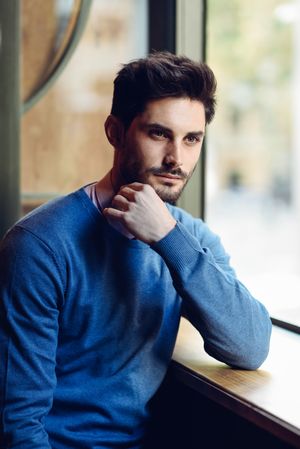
(162,75)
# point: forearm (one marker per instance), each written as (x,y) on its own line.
(235,326)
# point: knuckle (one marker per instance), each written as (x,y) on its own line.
(126,219)
(148,188)
(134,195)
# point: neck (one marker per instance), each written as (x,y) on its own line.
(105,189)
(117,179)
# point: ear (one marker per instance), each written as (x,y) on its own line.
(114,130)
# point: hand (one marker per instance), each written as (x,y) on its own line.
(140,211)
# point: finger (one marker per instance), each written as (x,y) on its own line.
(128,193)
(120,202)
(110,212)
(135,186)
(138,187)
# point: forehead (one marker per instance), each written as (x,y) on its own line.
(174,113)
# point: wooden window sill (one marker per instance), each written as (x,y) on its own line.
(268,397)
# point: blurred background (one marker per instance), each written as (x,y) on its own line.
(253,190)
(58,61)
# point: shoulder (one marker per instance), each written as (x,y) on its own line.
(53,223)
(54,211)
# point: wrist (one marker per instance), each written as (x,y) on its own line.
(167,229)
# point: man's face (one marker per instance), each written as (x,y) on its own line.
(162,146)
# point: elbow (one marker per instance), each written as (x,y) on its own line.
(240,358)
(253,350)
(248,354)
(258,347)
(251,361)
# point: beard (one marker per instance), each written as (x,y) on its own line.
(132,171)
(167,191)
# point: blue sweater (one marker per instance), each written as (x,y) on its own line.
(89,320)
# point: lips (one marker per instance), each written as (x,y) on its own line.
(168,176)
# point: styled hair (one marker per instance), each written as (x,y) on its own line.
(162,75)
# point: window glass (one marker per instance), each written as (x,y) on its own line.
(63,141)
(253,182)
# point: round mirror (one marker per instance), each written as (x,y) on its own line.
(50,32)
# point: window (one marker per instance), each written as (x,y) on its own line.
(63,144)
(253,157)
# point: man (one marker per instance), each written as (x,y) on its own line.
(93,284)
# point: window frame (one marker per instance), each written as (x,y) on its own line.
(9,114)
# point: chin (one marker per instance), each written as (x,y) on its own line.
(166,194)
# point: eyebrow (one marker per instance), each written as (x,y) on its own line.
(170,131)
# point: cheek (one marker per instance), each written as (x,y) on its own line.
(135,148)
(150,153)
(136,158)
(191,159)
(130,152)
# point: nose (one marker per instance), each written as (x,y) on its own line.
(173,154)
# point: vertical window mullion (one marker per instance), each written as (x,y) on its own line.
(191,41)
(162,25)
(9,114)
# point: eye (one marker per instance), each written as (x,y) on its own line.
(193,139)
(158,133)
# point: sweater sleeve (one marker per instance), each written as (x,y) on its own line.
(30,294)
(235,327)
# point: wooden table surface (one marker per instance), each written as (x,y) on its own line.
(269,396)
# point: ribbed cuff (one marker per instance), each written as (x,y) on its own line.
(178,248)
